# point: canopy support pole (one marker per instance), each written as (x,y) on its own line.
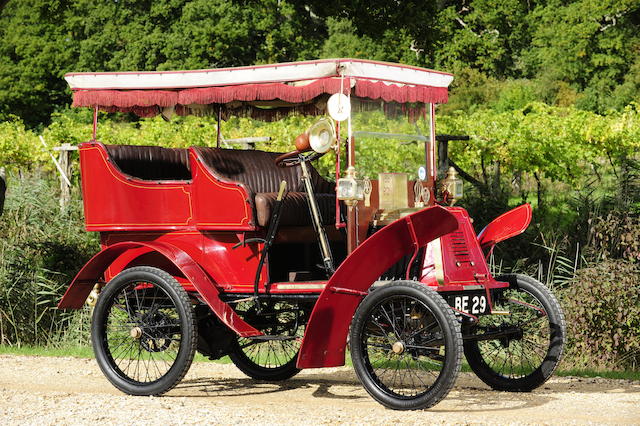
(219,135)
(430,148)
(95,123)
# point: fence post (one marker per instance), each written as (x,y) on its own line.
(64,162)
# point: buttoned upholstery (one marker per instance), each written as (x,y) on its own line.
(256,170)
(151,162)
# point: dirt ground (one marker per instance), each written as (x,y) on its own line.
(48,391)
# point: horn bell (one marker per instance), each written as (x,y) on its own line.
(322,135)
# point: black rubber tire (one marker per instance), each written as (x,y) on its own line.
(521,378)
(443,329)
(172,312)
(262,372)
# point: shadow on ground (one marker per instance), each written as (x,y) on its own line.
(469,394)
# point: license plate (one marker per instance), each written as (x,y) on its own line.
(474,304)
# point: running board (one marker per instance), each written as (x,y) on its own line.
(266,338)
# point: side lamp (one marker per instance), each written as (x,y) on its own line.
(452,188)
(350,189)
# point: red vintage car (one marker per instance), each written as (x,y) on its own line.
(255,255)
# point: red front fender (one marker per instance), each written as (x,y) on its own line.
(326,334)
(82,284)
(507,225)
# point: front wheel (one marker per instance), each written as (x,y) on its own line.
(406,346)
(144,331)
(530,334)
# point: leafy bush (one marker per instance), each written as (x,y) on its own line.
(19,147)
(41,249)
(617,236)
(516,94)
(602,308)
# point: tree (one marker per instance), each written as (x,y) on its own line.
(35,52)
(42,40)
(587,44)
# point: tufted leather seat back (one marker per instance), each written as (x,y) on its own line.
(151,162)
(257,170)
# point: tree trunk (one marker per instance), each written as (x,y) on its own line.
(539,189)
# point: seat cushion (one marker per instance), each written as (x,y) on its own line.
(295,210)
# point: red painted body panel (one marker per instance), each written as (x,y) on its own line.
(113,200)
(326,333)
(462,260)
(507,225)
(231,269)
(82,284)
(463,263)
(218,204)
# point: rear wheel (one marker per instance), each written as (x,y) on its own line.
(271,357)
(406,346)
(533,332)
(144,331)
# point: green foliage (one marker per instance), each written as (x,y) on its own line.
(40,252)
(42,40)
(35,52)
(486,35)
(616,236)
(574,53)
(602,308)
(585,43)
(343,42)
(558,143)
(508,151)
(19,148)
(516,94)
(629,90)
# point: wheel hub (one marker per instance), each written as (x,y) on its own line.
(398,347)
(136,333)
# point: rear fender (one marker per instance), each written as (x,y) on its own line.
(326,333)
(507,225)
(83,283)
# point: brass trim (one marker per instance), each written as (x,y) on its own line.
(300,286)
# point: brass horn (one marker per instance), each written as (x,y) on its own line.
(322,135)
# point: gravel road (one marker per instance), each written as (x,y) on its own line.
(48,391)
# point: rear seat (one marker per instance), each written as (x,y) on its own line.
(257,172)
(151,162)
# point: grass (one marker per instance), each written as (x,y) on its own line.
(581,372)
(75,352)
(87,352)
(70,351)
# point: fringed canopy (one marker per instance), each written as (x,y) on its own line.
(265,92)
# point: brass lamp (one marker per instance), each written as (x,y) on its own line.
(350,189)
(452,187)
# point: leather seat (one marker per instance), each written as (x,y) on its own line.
(257,172)
(151,162)
(295,209)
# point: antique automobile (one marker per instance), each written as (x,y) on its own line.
(256,255)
